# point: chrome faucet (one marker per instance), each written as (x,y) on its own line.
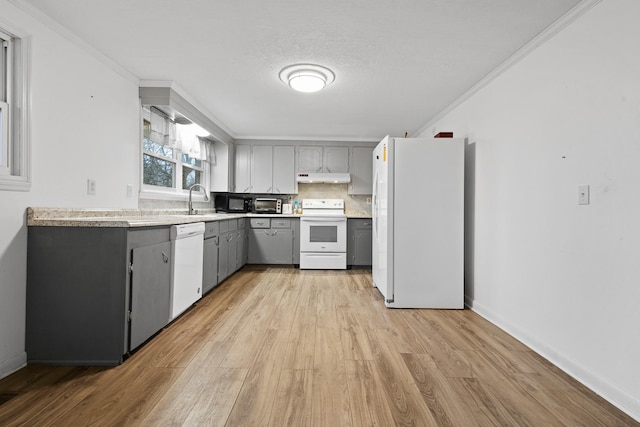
(206,198)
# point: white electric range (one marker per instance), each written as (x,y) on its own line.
(323,234)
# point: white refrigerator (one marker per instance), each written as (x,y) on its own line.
(418,222)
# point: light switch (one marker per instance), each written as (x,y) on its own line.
(583,195)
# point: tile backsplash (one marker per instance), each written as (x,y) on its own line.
(353,205)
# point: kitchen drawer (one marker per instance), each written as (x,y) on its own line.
(211,229)
(242,223)
(233,224)
(260,222)
(224,226)
(362,223)
(280,223)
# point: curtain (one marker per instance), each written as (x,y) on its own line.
(191,143)
(158,127)
(163,130)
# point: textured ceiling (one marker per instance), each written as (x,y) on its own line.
(397,63)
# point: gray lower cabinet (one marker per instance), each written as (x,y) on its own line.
(223,251)
(94,294)
(271,241)
(295,224)
(210,256)
(241,244)
(232,247)
(150,291)
(359,242)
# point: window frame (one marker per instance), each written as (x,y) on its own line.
(176,192)
(15,145)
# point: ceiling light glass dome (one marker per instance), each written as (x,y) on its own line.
(306,77)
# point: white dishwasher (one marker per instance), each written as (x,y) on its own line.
(187,246)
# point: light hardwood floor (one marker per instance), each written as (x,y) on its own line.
(284,347)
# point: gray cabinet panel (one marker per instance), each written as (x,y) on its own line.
(361,168)
(261,169)
(76,295)
(309,159)
(336,159)
(223,256)
(359,244)
(363,247)
(296,240)
(260,222)
(271,246)
(231,247)
(240,237)
(150,291)
(242,171)
(210,263)
(284,170)
(259,242)
(280,223)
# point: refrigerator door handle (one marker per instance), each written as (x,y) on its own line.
(375,204)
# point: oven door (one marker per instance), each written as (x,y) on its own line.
(323,234)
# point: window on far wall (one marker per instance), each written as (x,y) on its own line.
(173,158)
(14,130)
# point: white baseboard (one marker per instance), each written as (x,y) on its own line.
(12,364)
(619,398)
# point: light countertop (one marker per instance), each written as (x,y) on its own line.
(70,217)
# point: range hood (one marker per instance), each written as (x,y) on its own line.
(326,178)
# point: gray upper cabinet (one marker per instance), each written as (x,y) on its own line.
(323,159)
(361,168)
(335,159)
(284,169)
(261,169)
(243,169)
(265,169)
(309,159)
(223,168)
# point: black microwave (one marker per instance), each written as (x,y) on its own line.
(232,203)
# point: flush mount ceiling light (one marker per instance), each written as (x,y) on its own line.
(307,77)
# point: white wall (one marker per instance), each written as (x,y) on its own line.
(84,124)
(561,277)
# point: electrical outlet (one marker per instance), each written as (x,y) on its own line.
(583,195)
(91,187)
(368,200)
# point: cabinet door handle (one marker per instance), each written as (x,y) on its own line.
(269,189)
(217,240)
(245,190)
(165,258)
(274,232)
